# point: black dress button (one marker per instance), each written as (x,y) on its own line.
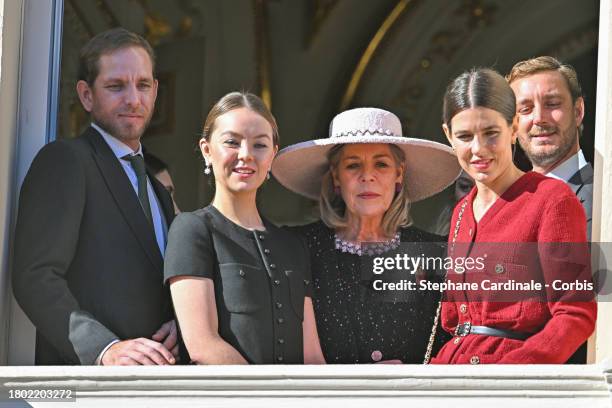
(280,320)
(266,251)
(279,305)
(272,266)
(279,358)
(261,237)
(281,341)
(277,282)
(241,273)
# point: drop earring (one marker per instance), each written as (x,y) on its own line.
(268,175)
(207,169)
(398,187)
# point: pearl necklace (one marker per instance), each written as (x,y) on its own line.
(367,248)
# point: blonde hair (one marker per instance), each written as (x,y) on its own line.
(533,66)
(333,207)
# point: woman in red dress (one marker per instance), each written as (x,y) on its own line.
(526,215)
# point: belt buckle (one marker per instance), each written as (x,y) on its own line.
(463,329)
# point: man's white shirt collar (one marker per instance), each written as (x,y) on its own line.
(568,168)
(119,148)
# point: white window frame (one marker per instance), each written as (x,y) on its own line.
(36,113)
(39,55)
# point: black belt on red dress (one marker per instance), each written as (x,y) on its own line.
(463,329)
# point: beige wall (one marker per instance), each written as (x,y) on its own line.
(2,203)
(1,18)
(602,194)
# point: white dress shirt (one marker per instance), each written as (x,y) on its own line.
(568,168)
(120,150)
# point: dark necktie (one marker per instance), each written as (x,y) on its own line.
(138,164)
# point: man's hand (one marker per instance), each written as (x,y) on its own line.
(168,336)
(139,351)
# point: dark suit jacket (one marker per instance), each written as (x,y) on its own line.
(582,184)
(87,268)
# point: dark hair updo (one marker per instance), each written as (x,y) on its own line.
(479,88)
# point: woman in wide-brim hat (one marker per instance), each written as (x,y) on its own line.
(365,175)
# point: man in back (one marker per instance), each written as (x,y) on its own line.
(160,170)
(550,109)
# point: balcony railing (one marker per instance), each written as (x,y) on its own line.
(365,385)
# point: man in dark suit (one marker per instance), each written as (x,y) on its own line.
(92,224)
(550,110)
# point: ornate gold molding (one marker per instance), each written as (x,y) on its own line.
(365,59)
(156,26)
(575,43)
(443,45)
(262,47)
(320,10)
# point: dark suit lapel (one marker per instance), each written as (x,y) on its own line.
(124,195)
(580,178)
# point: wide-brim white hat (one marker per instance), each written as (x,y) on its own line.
(430,167)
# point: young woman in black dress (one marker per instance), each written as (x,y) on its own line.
(241,287)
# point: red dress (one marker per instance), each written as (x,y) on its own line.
(535,209)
